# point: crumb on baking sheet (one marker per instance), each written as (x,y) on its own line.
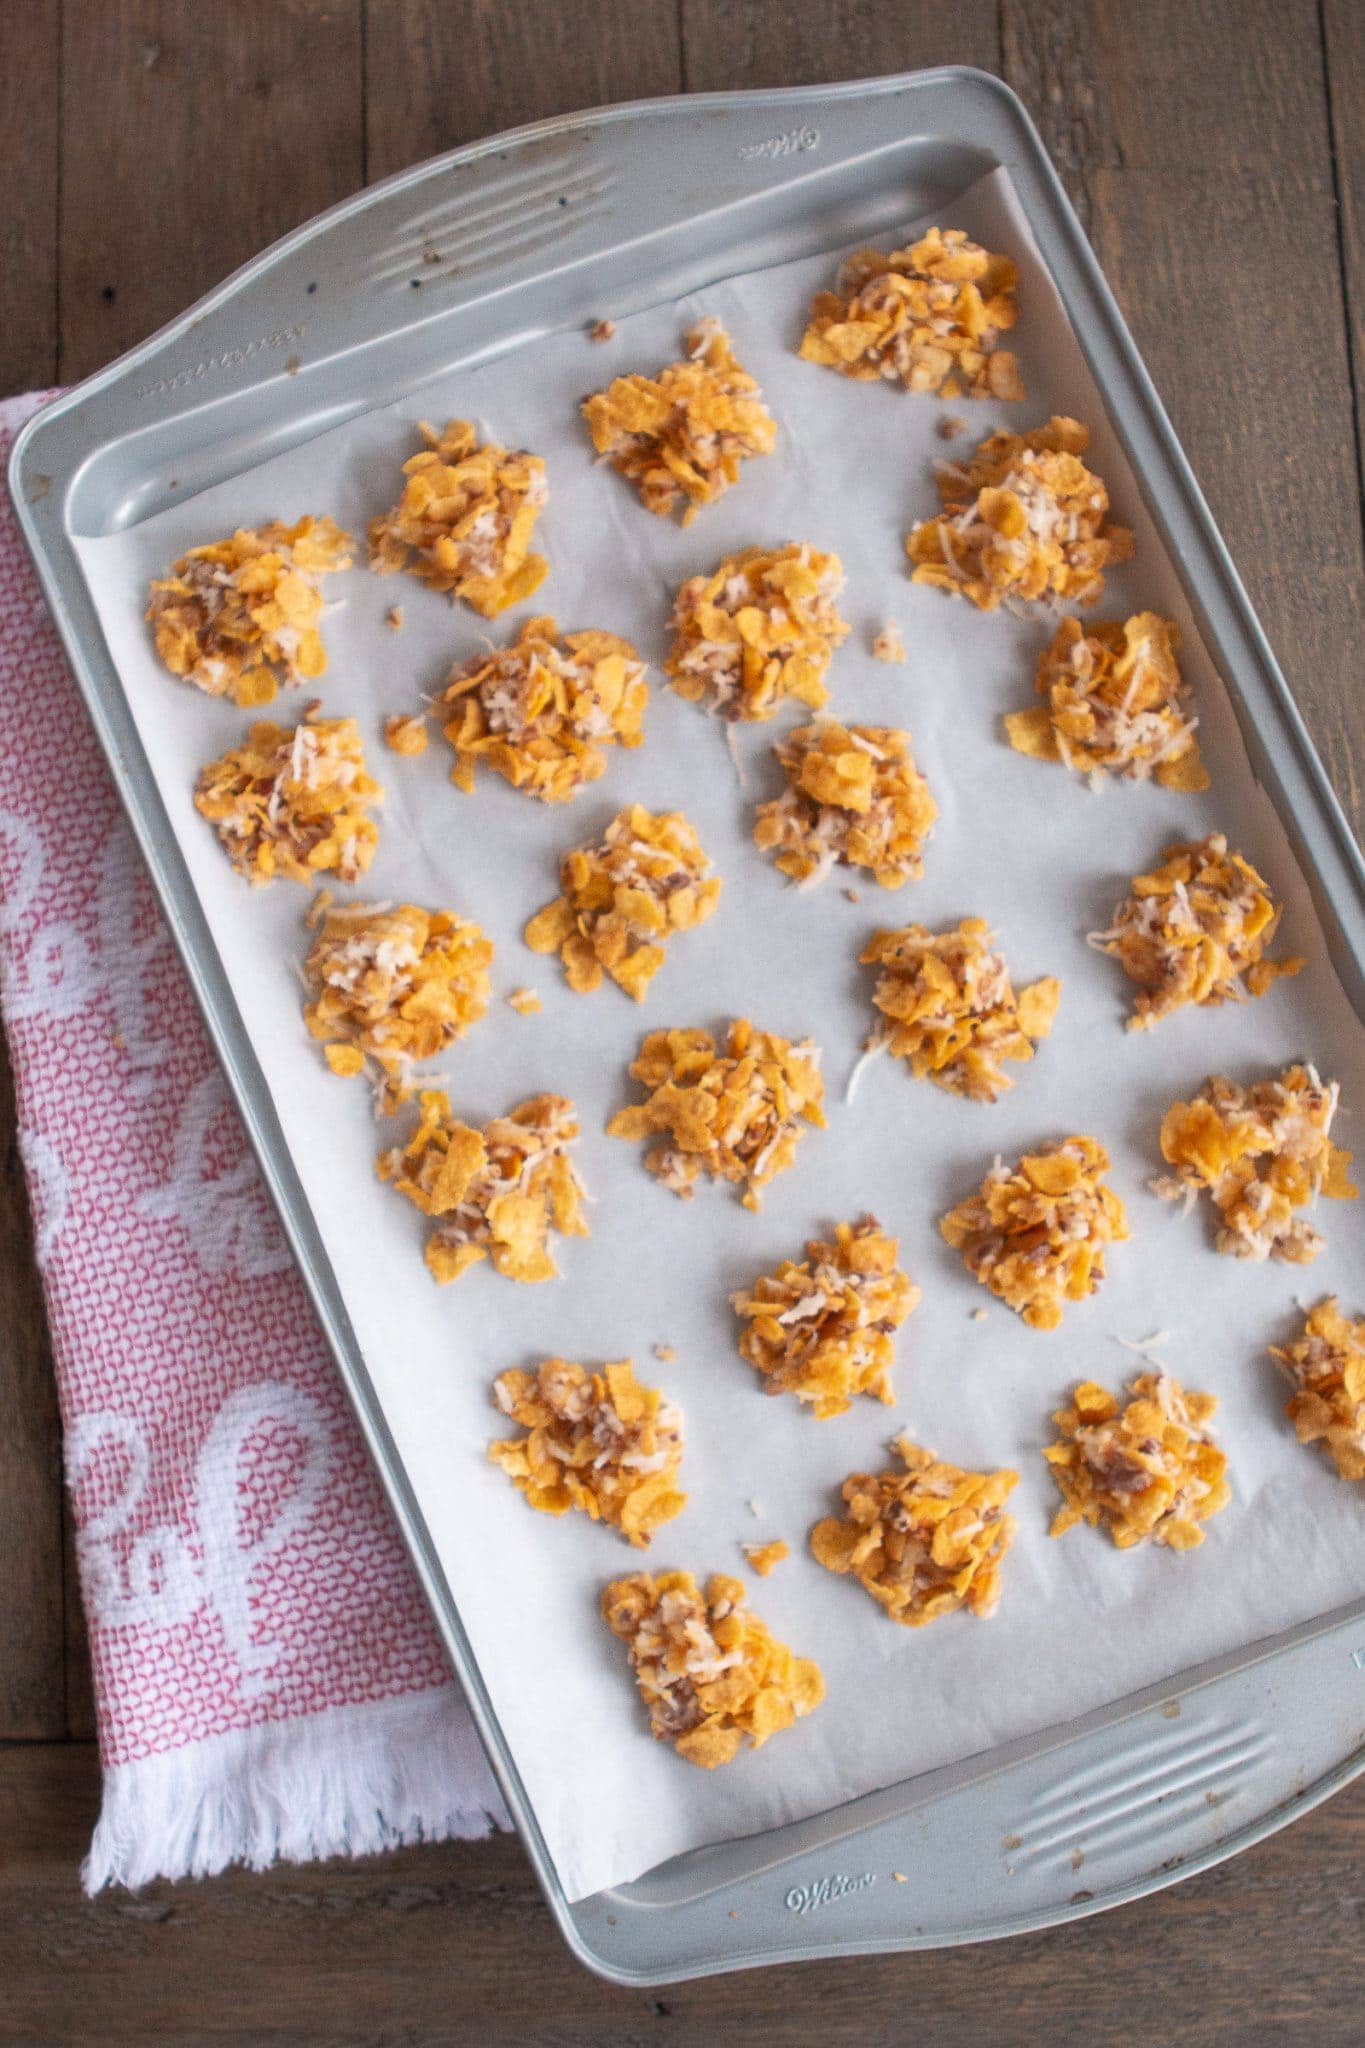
(602,330)
(595,1440)
(924,1541)
(1035,1233)
(761,627)
(293,801)
(1148,1471)
(854,798)
(524,1001)
(950,426)
(393,618)
(465,518)
(1326,1367)
(406,733)
(950,1008)
(665,1353)
(928,317)
(764,1558)
(1115,703)
(888,644)
(823,1328)
(623,898)
(709,1672)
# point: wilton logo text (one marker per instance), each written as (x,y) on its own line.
(808,1898)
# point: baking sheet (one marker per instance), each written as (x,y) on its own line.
(1018,841)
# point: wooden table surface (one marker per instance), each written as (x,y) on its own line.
(1216,151)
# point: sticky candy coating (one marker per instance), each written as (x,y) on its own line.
(1035,1233)
(760,628)
(950,1009)
(854,797)
(595,1440)
(624,898)
(824,1328)
(1326,1367)
(1148,1471)
(1115,704)
(293,801)
(927,317)
(464,519)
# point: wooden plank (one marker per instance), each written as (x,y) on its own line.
(192,137)
(728,44)
(80,1683)
(1344,52)
(28,195)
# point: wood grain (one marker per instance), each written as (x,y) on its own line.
(29,73)
(1344,57)
(729,44)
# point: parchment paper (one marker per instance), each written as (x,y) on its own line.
(1018,841)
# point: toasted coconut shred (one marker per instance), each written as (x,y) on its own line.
(1195,930)
(924,1542)
(496,1193)
(854,798)
(824,1328)
(1035,1233)
(709,1672)
(293,801)
(1024,519)
(1149,1471)
(683,434)
(624,898)
(761,627)
(888,644)
(736,1115)
(1262,1153)
(950,1007)
(1326,1367)
(1115,704)
(927,317)
(596,1440)
(239,617)
(464,521)
(392,986)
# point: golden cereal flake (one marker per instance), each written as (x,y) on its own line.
(928,317)
(239,617)
(764,1558)
(495,1193)
(466,513)
(1115,704)
(524,1001)
(406,733)
(1326,1367)
(1261,1153)
(624,898)
(761,627)
(597,1441)
(950,1007)
(1149,1471)
(736,1115)
(1035,1233)
(888,645)
(1024,518)
(854,797)
(924,1542)
(824,1329)
(707,1669)
(683,434)
(541,711)
(293,801)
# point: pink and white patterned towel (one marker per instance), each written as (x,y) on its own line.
(268,1680)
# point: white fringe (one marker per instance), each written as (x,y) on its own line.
(346,1782)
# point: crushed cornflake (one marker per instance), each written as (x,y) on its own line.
(950,1007)
(524,1001)
(708,1670)
(764,1558)
(950,427)
(541,711)
(293,801)
(495,1193)
(239,617)
(1035,1233)
(824,1329)
(761,627)
(665,1353)
(1261,1153)
(1024,519)
(597,1441)
(888,645)
(624,898)
(466,513)
(392,985)
(1326,1366)
(928,317)
(854,798)
(1115,704)
(925,1541)
(406,733)
(602,330)
(683,434)
(736,1115)
(1195,930)
(1149,1471)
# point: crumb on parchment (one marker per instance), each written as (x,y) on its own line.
(524,1001)
(888,645)
(764,1558)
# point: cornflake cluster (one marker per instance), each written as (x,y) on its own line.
(392,985)
(541,711)
(683,434)
(707,1669)
(1149,1471)
(925,1541)
(854,797)
(928,317)
(736,1115)
(1195,930)
(824,1329)
(1035,1233)
(950,1007)
(1023,519)
(466,513)
(759,628)
(293,801)
(240,616)
(624,898)
(1115,704)
(1262,1153)
(495,1193)
(597,1441)
(1326,1366)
